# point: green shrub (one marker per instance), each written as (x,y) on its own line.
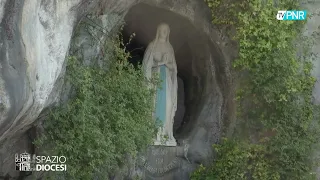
(275,94)
(108,120)
(238,160)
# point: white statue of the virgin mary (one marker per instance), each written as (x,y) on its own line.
(159,59)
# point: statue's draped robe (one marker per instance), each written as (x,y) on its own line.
(166,95)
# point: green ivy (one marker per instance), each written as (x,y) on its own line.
(274,99)
(108,120)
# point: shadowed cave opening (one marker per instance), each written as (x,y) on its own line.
(191,52)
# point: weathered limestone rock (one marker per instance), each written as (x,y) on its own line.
(34,41)
(313,30)
(2,3)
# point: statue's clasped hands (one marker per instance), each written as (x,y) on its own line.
(165,61)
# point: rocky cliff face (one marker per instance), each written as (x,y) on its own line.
(35,37)
(34,40)
(313,30)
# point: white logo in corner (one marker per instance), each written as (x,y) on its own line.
(281,15)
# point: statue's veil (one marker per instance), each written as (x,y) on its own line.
(155,41)
(147,63)
(158,32)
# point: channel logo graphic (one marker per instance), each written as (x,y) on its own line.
(31,162)
(292,15)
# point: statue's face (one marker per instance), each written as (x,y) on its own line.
(163,32)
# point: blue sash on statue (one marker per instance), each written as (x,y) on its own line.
(161,96)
